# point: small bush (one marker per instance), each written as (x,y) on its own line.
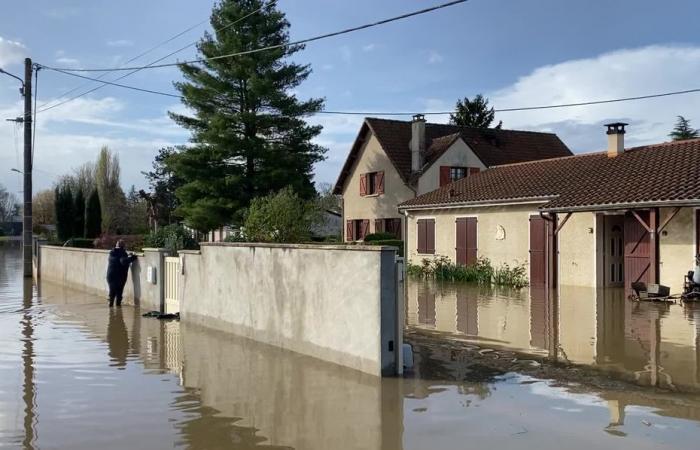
(281,217)
(380,237)
(171,237)
(80,243)
(390,242)
(482,272)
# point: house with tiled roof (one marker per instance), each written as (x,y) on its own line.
(393,161)
(601,219)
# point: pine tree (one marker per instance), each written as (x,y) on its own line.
(249,132)
(79,214)
(683,130)
(93,216)
(473,113)
(64,212)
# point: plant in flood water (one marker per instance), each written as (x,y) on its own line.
(481,272)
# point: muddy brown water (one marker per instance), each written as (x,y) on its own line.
(75,375)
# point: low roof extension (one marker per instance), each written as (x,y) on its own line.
(666,174)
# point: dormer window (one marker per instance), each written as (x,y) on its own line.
(457,173)
(448,174)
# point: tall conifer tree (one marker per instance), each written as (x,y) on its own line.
(249,133)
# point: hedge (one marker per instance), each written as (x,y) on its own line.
(389,242)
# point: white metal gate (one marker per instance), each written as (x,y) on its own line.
(172,285)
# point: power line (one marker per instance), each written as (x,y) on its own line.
(428,113)
(272,47)
(104,83)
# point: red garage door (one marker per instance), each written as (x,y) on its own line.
(637,250)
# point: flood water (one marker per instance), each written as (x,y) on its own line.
(655,344)
(75,375)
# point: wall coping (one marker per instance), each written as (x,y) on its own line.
(369,248)
(83,250)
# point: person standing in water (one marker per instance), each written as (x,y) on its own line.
(118,271)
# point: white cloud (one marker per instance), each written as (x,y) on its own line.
(621,73)
(346,54)
(434,57)
(369,47)
(327,67)
(68,61)
(61,13)
(120,43)
(11,52)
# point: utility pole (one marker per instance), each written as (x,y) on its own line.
(27,210)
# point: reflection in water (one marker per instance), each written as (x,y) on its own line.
(95,378)
(656,344)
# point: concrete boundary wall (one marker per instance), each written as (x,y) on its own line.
(336,303)
(86,269)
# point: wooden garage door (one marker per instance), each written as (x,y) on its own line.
(465,234)
(538,251)
(637,250)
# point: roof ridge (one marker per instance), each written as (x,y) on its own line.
(461,128)
(663,144)
(556,158)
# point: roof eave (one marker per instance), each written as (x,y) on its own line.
(622,206)
(484,203)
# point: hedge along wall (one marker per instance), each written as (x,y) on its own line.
(336,303)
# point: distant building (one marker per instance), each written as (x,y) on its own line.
(331,225)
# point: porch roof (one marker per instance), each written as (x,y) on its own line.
(666,174)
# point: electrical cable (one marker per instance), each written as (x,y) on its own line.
(273,47)
(104,83)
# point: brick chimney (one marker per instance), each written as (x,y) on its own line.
(417,142)
(616,138)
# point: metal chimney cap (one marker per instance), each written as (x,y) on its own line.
(616,127)
(417,117)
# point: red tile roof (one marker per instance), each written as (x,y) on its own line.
(492,147)
(651,175)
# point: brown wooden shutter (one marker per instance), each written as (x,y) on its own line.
(461,240)
(697,231)
(365,229)
(471,241)
(444,175)
(380,182)
(430,236)
(474,170)
(420,234)
(363,184)
(378,225)
(349,231)
(396,227)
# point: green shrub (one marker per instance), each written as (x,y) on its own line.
(133,242)
(390,242)
(380,237)
(171,237)
(482,272)
(280,217)
(80,243)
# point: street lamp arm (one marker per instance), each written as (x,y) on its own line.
(13,76)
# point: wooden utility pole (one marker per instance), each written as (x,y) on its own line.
(27,209)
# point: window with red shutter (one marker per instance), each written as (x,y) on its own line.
(378,225)
(397,228)
(474,170)
(349,228)
(380,182)
(420,234)
(363,184)
(444,175)
(364,229)
(430,236)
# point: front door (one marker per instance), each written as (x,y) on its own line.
(613,242)
(466,241)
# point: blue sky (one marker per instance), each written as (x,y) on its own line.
(517,52)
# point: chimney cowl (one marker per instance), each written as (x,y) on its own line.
(616,138)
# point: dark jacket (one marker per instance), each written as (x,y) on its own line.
(118,265)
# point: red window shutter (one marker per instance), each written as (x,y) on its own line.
(396,227)
(471,250)
(365,229)
(474,170)
(363,184)
(378,225)
(430,236)
(349,232)
(444,175)
(421,236)
(380,182)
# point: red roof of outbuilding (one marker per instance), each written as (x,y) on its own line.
(651,175)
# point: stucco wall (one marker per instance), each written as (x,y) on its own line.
(514,247)
(677,247)
(458,155)
(336,303)
(577,250)
(372,158)
(86,269)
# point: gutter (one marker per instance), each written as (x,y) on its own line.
(619,206)
(486,203)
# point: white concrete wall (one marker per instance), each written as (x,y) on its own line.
(458,155)
(577,250)
(336,303)
(676,248)
(372,158)
(86,269)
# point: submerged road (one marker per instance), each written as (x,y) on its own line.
(76,375)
